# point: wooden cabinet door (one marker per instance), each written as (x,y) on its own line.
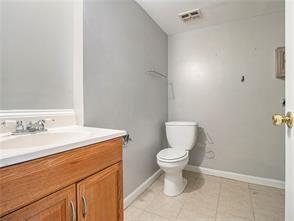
(99,197)
(59,206)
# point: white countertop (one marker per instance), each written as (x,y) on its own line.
(20,148)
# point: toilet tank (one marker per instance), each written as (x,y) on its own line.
(181,134)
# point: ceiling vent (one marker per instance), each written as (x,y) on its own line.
(189,15)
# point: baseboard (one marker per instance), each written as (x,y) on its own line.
(236,176)
(140,189)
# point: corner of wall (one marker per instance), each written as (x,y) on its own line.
(78,97)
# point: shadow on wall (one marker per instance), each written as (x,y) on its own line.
(164,143)
(201,149)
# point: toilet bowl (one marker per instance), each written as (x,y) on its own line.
(181,137)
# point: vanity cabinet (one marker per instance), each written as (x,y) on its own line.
(100,196)
(59,206)
(76,185)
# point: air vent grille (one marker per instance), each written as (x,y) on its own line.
(189,15)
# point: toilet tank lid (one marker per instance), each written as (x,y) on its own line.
(180,123)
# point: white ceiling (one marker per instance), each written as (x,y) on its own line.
(213,12)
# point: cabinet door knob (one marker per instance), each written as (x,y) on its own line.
(73,211)
(85,207)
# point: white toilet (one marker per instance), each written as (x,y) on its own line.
(181,137)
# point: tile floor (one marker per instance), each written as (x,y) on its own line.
(209,198)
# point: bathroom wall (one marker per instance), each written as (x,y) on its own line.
(37,54)
(121,43)
(205,69)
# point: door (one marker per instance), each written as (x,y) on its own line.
(100,196)
(59,206)
(289,118)
(289,213)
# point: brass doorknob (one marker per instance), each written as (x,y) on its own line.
(280,119)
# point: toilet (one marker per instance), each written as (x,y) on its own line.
(181,137)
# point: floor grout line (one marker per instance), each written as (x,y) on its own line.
(219,195)
(184,202)
(180,211)
(251,200)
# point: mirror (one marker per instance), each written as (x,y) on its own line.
(36,54)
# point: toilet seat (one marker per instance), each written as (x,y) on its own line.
(172,155)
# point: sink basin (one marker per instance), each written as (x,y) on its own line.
(42,139)
(20,148)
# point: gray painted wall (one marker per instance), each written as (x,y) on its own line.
(121,42)
(37,54)
(205,67)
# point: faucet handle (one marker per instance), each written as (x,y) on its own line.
(41,123)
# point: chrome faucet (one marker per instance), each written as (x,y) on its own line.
(31,127)
(38,126)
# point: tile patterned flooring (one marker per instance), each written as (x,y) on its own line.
(209,198)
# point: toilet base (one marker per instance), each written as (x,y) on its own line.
(174,184)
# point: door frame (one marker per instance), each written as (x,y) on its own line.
(289,92)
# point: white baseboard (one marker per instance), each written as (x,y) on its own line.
(236,176)
(140,189)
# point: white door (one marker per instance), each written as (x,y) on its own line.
(289,216)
